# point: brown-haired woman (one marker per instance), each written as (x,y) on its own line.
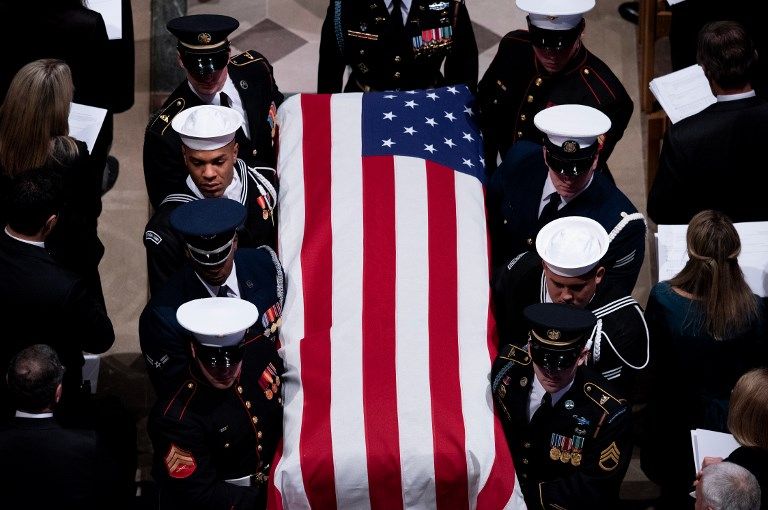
(34,131)
(708,329)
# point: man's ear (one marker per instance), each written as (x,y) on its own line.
(599,274)
(235,149)
(59,391)
(583,357)
(50,223)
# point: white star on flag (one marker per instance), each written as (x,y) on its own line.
(410,92)
(452,90)
(389,96)
(389,116)
(410,131)
(449,142)
(467,162)
(467,137)
(482,162)
(430,121)
(430,148)
(411,104)
(468,111)
(449,116)
(433,96)
(387,143)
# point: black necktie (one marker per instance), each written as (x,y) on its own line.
(544,410)
(225,100)
(549,212)
(223,291)
(397,14)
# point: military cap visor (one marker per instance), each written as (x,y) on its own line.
(568,158)
(220,357)
(554,39)
(558,333)
(555,360)
(208,226)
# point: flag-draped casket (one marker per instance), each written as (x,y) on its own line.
(387,334)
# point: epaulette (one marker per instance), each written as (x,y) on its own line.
(607,402)
(177,406)
(163,118)
(245,58)
(516,354)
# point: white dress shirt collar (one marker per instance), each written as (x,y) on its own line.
(36,416)
(233,191)
(735,97)
(39,244)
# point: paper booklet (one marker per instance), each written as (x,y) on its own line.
(708,443)
(672,252)
(85,123)
(683,93)
(112,13)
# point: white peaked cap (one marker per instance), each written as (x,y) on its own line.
(207,127)
(217,321)
(582,124)
(555,14)
(572,246)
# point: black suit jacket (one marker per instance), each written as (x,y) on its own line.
(164,170)
(46,466)
(514,195)
(164,342)
(707,162)
(40,302)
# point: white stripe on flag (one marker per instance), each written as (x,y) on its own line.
(412,323)
(290,235)
(474,359)
(348,436)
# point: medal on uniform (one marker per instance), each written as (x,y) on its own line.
(268,394)
(263,204)
(554,453)
(271,319)
(267,381)
(565,456)
(578,444)
(555,442)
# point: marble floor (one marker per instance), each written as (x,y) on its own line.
(288,33)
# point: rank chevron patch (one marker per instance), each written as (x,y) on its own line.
(180,463)
(609,458)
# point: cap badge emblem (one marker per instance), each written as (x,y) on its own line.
(569,146)
(523,381)
(204,38)
(553,334)
(552,18)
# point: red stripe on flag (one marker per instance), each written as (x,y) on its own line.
(382,437)
(451,483)
(501,480)
(315,444)
(274,498)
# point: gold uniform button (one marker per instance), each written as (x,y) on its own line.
(523,117)
(259,448)
(586,71)
(240,390)
(396,75)
(362,52)
(226,445)
(255,152)
(525,461)
(259,434)
(248,404)
(526,445)
(255,419)
(530,99)
(529,241)
(538,82)
(397,59)
(191,385)
(519,134)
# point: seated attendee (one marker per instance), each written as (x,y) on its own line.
(707,159)
(567,268)
(216,268)
(535,185)
(209,150)
(568,429)
(215,437)
(41,302)
(34,133)
(44,465)
(727,486)
(708,329)
(243,82)
(748,422)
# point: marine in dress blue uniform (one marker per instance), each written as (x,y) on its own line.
(566,268)
(517,85)
(396,45)
(218,267)
(250,88)
(208,132)
(568,430)
(523,186)
(215,436)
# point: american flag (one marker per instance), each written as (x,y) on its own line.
(387,333)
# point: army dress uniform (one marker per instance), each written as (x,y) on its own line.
(514,195)
(623,331)
(573,455)
(515,87)
(213,447)
(165,248)
(385,56)
(251,74)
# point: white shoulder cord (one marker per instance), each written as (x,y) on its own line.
(597,332)
(262,184)
(623,223)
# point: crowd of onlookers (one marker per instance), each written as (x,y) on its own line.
(585,372)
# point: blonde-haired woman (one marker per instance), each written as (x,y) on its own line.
(707,329)
(34,131)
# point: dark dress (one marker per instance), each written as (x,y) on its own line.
(754,460)
(694,376)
